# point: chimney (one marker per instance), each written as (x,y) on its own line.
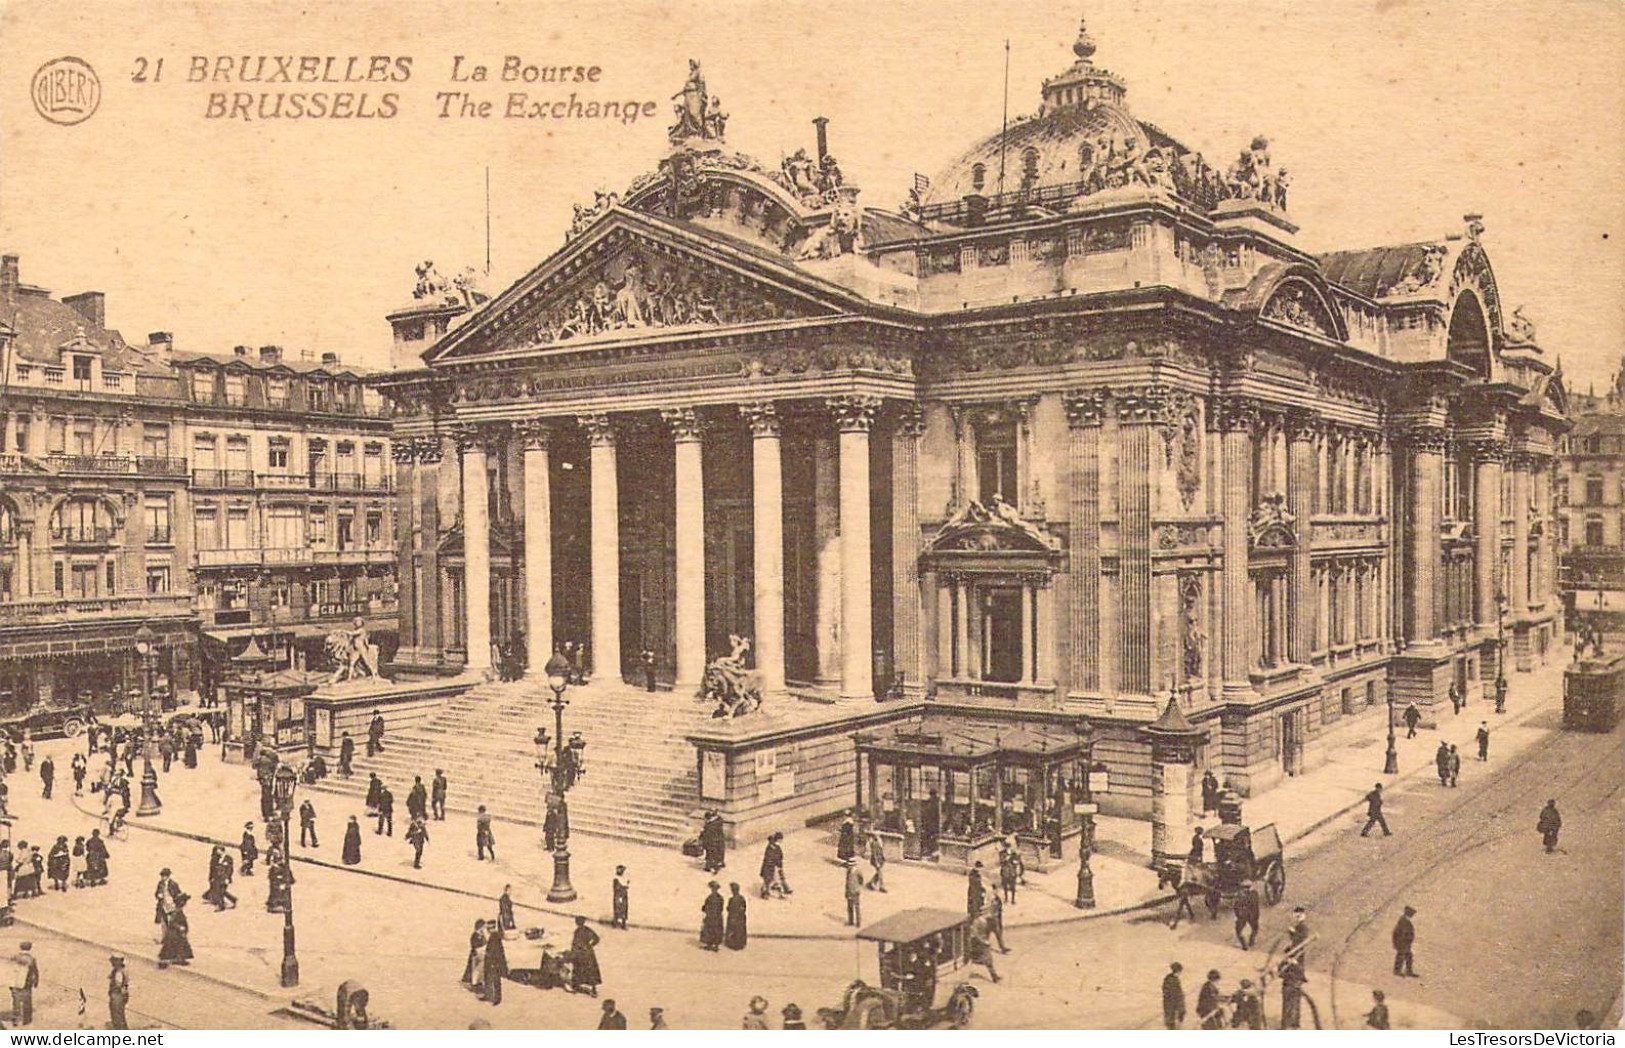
(92,305)
(270,354)
(822,124)
(161,340)
(9,278)
(239,351)
(330,358)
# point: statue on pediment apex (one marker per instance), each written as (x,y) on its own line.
(698,114)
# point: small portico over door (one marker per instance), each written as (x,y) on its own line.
(995,608)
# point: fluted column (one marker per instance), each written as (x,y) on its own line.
(1301,503)
(906,596)
(427,480)
(606,549)
(1427,467)
(1236,422)
(689,539)
(827,551)
(476,549)
(854,416)
(1518,591)
(767,545)
(1137,411)
(538,548)
(1085,410)
(404,452)
(1488,455)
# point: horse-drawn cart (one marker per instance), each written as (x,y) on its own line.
(1239,855)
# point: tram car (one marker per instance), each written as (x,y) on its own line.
(1593,690)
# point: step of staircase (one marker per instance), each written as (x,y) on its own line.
(640,782)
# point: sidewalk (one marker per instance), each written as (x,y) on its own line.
(213,802)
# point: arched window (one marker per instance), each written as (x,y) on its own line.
(82,521)
(1029,167)
(1086,158)
(978,176)
(8,523)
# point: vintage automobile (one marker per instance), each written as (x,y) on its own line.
(1239,855)
(914,947)
(49,722)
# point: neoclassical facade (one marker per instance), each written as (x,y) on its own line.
(1050,445)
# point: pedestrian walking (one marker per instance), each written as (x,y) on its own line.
(1404,939)
(1483,737)
(307,825)
(386,813)
(166,751)
(711,924)
(975,893)
(417,835)
(1441,762)
(620,898)
(1010,872)
(59,864)
(1247,912)
(877,861)
(735,934)
(1412,717)
(612,1018)
(375,789)
(485,841)
(1377,1017)
(177,946)
(584,972)
(1373,812)
(496,964)
(47,774)
(417,799)
(1247,1009)
(347,756)
(352,842)
(657,1018)
(505,919)
(474,967)
(1173,997)
(248,849)
(1292,976)
(1210,1003)
(1298,936)
(846,844)
(1457,698)
(79,863)
(854,894)
(79,766)
(714,842)
(1210,791)
(375,734)
(220,874)
(772,871)
(437,795)
(23,995)
(1455,766)
(1198,848)
(118,993)
(980,949)
(95,859)
(1548,826)
(994,911)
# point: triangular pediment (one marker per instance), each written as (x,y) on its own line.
(632,276)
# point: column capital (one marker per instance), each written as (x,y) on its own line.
(467,438)
(1489,450)
(536,432)
(685,423)
(1085,408)
(1427,438)
(480,436)
(1238,414)
(1140,404)
(1304,426)
(763,418)
(404,451)
(427,450)
(853,414)
(600,428)
(910,421)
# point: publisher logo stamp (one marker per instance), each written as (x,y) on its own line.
(66,91)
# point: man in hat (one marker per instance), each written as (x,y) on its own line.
(346,756)
(657,1019)
(1210,1003)
(24,994)
(1548,825)
(612,1018)
(165,896)
(118,993)
(711,923)
(1377,1017)
(975,893)
(756,1018)
(1412,717)
(375,734)
(1247,913)
(854,893)
(1404,939)
(417,799)
(1173,997)
(437,795)
(484,840)
(249,849)
(1297,934)
(307,825)
(1483,738)
(1373,812)
(1248,1013)
(386,812)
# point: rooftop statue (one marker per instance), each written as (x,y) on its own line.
(698,114)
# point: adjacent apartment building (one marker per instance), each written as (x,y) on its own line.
(1591,495)
(212,496)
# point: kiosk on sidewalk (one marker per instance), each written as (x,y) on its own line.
(267,709)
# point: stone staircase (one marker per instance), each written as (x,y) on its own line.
(641,782)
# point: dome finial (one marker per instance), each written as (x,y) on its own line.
(1084,48)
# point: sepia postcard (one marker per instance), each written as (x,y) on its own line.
(812,514)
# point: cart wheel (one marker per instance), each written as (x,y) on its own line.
(1274,882)
(960,1009)
(72,727)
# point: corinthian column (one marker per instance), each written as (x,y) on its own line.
(1236,421)
(1427,466)
(606,549)
(854,416)
(689,479)
(538,549)
(907,643)
(1300,500)
(1518,590)
(1488,455)
(767,543)
(476,549)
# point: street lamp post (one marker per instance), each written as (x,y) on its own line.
(284,782)
(1390,760)
(1500,653)
(558,679)
(146,647)
(1094,777)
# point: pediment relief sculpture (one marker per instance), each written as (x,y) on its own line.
(991,527)
(1272,525)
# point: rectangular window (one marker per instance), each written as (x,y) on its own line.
(81,369)
(236,389)
(203,387)
(346,530)
(1594,531)
(375,530)
(112,578)
(157,579)
(318,526)
(285,527)
(158,527)
(155,440)
(203,452)
(237,528)
(276,391)
(206,527)
(281,593)
(278,456)
(59,574)
(83,582)
(996,462)
(84,438)
(237,453)
(1594,496)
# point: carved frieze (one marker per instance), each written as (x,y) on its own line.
(1181,536)
(803,359)
(1180,423)
(1296,306)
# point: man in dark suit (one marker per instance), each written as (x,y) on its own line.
(375,734)
(1404,940)
(1373,812)
(437,795)
(386,812)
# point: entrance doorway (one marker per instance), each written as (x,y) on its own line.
(1292,742)
(1002,613)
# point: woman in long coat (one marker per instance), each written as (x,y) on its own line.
(735,936)
(95,859)
(60,865)
(474,969)
(496,966)
(176,948)
(711,920)
(584,972)
(375,791)
(715,843)
(352,843)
